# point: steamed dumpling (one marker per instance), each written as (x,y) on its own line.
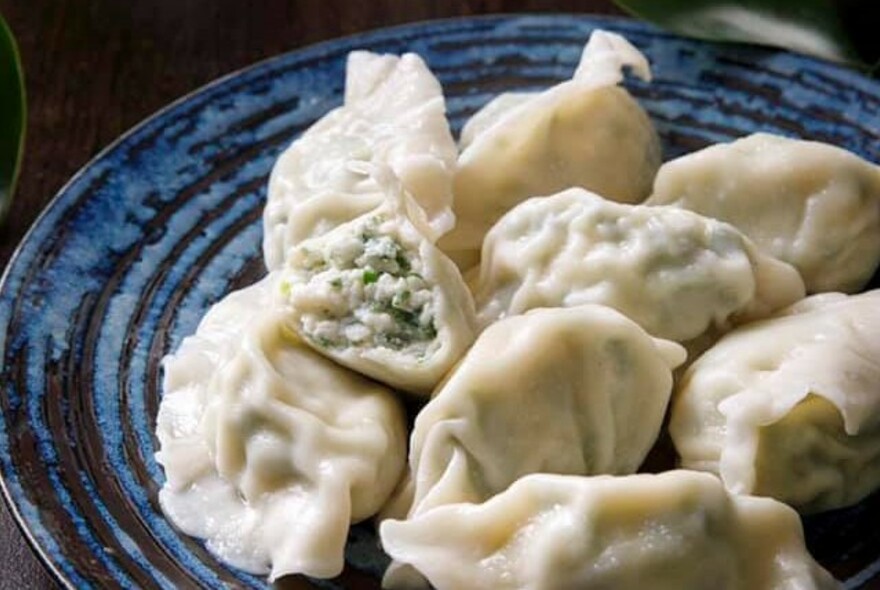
(586,132)
(790,407)
(675,273)
(590,381)
(593,382)
(678,530)
(394,115)
(487,116)
(813,205)
(375,295)
(270,450)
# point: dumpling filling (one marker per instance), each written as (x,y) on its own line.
(365,289)
(375,295)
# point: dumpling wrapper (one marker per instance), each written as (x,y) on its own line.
(789,407)
(598,380)
(813,205)
(677,530)
(587,132)
(589,374)
(677,274)
(491,112)
(377,296)
(394,115)
(270,450)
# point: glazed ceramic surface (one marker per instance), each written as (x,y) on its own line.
(127,258)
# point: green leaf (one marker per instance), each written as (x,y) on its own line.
(12,116)
(838,30)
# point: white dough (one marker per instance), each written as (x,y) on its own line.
(580,390)
(491,112)
(676,273)
(394,115)
(813,205)
(271,451)
(587,132)
(376,295)
(678,530)
(790,407)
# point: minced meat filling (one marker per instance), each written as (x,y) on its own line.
(364,291)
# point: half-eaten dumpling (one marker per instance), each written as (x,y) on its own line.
(790,407)
(675,273)
(270,450)
(587,132)
(678,530)
(394,115)
(813,205)
(376,295)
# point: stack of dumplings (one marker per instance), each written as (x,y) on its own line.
(553,301)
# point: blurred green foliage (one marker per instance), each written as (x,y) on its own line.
(12,115)
(839,30)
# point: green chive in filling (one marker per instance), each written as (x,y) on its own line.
(364,291)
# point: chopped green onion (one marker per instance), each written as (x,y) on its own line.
(402,262)
(402,298)
(370,276)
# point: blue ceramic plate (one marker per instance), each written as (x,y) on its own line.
(126,259)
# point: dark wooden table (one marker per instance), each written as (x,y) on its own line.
(94,68)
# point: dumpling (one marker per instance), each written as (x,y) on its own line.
(678,530)
(490,114)
(790,407)
(675,273)
(394,115)
(270,450)
(586,132)
(813,205)
(588,373)
(375,295)
(597,381)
